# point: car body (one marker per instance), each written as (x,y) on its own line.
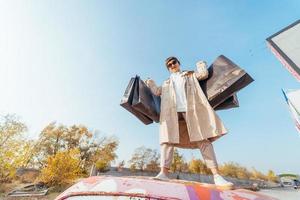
(117,188)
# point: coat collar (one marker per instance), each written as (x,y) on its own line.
(167,81)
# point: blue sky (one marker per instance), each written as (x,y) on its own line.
(70,62)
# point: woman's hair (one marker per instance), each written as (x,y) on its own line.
(169,59)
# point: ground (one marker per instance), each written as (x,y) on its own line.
(7,187)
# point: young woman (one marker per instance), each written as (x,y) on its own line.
(187,120)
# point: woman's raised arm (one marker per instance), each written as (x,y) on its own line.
(153,87)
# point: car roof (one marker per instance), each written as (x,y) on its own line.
(148,188)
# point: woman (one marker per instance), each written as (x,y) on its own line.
(187,120)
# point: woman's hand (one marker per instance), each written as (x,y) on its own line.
(148,81)
(154,89)
(201,65)
(187,73)
(202,72)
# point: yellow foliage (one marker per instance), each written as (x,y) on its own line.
(256,175)
(133,168)
(104,155)
(61,168)
(178,163)
(102,165)
(56,138)
(234,170)
(197,166)
(153,166)
(12,147)
(13,156)
(271,176)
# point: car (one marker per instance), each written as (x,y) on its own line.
(142,188)
(296,184)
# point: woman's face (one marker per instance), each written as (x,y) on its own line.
(173,66)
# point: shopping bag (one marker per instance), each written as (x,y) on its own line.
(231,102)
(145,102)
(126,101)
(225,78)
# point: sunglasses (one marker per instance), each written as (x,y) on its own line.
(173,62)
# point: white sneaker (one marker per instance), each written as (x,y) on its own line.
(161,176)
(222,183)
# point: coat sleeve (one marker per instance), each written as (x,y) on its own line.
(153,87)
(202,72)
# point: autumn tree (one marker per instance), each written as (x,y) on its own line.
(132,167)
(11,129)
(153,165)
(144,159)
(271,176)
(105,154)
(257,175)
(61,168)
(234,170)
(198,166)
(93,150)
(54,138)
(13,147)
(243,173)
(178,163)
(121,165)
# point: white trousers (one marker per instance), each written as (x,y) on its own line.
(205,146)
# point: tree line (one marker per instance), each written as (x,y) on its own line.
(63,154)
(146,159)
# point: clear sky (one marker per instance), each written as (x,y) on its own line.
(70,61)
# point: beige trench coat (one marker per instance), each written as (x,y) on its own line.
(201,120)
